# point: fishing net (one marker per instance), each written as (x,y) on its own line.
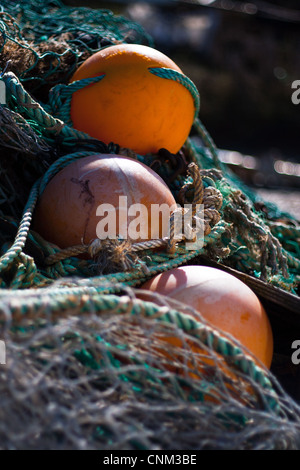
(88,362)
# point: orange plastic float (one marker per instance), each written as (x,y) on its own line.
(131,106)
(102,196)
(224,301)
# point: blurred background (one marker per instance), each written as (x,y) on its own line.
(244,57)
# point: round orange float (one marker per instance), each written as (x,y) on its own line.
(131,106)
(224,301)
(102,196)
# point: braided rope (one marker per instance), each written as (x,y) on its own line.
(15,250)
(60,101)
(195,174)
(179,77)
(60,96)
(208,142)
(158,263)
(59,164)
(210,196)
(247,224)
(246,221)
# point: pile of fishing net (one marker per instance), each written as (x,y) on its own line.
(87,361)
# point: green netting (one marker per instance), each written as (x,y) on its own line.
(85,366)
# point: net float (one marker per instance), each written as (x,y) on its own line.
(223,301)
(103,196)
(142,100)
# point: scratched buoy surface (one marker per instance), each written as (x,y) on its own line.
(102,196)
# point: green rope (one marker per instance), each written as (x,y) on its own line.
(60,96)
(179,77)
(65,92)
(59,164)
(46,123)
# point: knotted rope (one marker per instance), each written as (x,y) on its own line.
(121,253)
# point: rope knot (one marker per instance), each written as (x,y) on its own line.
(210,197)
(113,255)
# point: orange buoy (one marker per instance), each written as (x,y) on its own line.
(131,106)
(103,196)
(224,301)
(188,357)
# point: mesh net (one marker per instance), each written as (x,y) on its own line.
(103,380)
(87,362)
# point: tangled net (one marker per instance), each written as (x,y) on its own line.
(87,364)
